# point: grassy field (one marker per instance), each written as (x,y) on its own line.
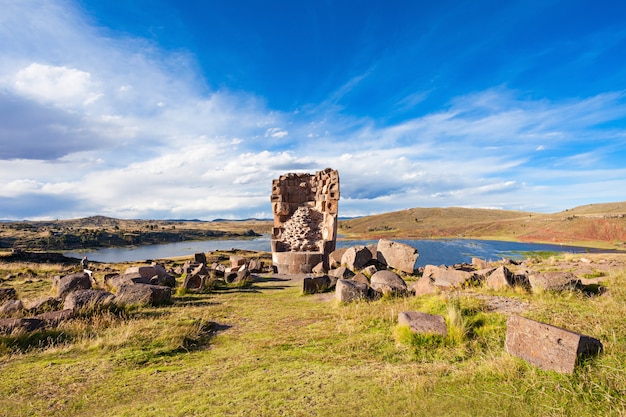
(268,350)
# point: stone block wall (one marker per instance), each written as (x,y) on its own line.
(305,208)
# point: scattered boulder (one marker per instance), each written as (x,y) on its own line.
(424,286)
(361,277)
(501,277)
(341,273)
(319,268)
(117,281)
(554,281)
(313,285)
(397,255)
(7,293)
(11,307)
(73,282)
(370,270)
(146,271)
(255,266)
(194,282)
(237,261)
(199,258)
(423,323)
(356,257)
(548,347)
(43,304)
(54,318)
(334,258)
(143,294)
(480,263)
(447,278)
(347,290)
(9,326)
(81,299)
(388,282)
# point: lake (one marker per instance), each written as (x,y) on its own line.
(435,252)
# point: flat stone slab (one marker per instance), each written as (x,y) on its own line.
(423,323)
(548,347)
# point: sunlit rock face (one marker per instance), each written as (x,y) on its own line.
(305,210)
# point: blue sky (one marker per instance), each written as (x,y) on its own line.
(188,109)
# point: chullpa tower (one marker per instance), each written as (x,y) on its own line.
(305,210)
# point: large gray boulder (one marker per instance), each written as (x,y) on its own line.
(424,286)
(73,282)
(447,278)
(312,285)
(554,281)
(334,258)
(8,326)
(502,277)
(144,294)
(548,347)
(397,255)
(388,282)
(54,318)
(423,323)
(348,291)
(87,299)
(356,257)
(146,271)
(11,307)
(341,273)
(43,304)
(117,281)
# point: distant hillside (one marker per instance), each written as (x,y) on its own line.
(599,225)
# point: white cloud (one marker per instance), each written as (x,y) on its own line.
(276,132)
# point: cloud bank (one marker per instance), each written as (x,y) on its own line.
(94,123)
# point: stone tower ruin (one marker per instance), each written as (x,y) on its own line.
(305,220)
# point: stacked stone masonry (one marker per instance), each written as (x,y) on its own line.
(305,210)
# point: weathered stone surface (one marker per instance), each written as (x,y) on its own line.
(236,261)
(388,282)
(334,258)
(502,277)
(480,263)
(117,281)
(199,257)
(447,278)
(397,255)
(424,286)
(242,276)
(73,282)
(146,271)
(341,273)
(54,318)
(368,271)
(356,257)
(43,304)
(313,285)
(347,290)
(87,299)
(305,210)
(8,326)
(7,293)
(255,265)
(423,323)
(548,347)
(319,268)
(194,282)
(554,281)
(361,277)
(11,307)
(144,294)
